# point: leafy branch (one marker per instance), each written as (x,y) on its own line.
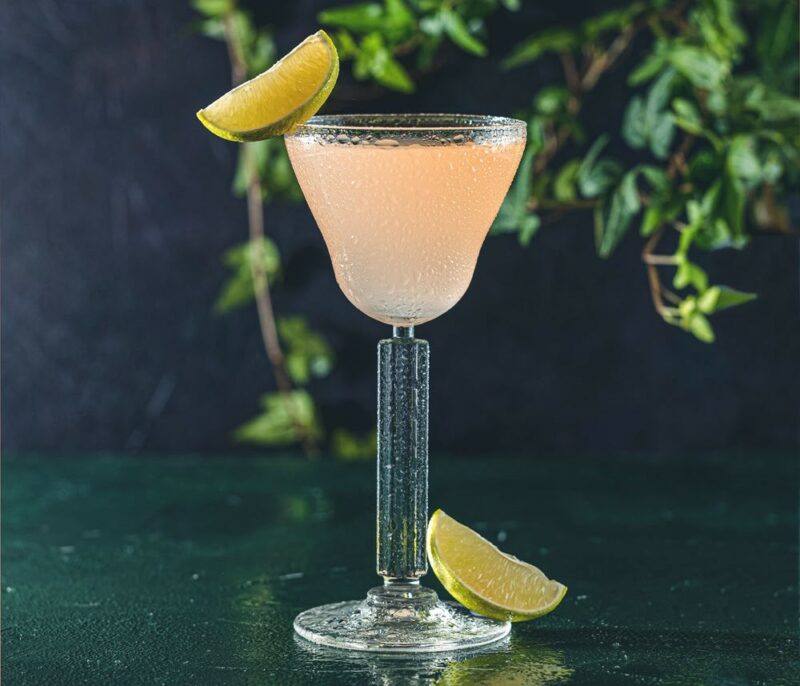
(712,130)
(296,353)
(375,37)
(719,147)
(381,38)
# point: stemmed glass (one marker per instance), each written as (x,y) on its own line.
(404,203)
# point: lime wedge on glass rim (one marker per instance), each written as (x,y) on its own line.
(281,98)
(484,579)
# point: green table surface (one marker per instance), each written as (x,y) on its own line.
(189,570)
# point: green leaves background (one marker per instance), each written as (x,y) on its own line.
(707,146)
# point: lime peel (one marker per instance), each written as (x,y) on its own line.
(280,99)
(483,578)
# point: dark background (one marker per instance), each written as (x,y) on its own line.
(116,207)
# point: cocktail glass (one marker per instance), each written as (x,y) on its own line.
(404,203)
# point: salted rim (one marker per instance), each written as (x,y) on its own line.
(450,122)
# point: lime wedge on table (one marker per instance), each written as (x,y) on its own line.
(484,579)
(280,99)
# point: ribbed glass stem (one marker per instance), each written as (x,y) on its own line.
(403,363)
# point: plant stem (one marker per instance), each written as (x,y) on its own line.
(652,273)
(266,314)
(255,221)
(659,259)
(677,161)
(606,59)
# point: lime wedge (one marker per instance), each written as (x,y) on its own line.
(280,99)
(484,579)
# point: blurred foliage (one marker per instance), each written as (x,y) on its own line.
(285,418)
(376,36)
(348,446)
(713,119)
(238,290)
(307,353)
(264,173)
(712,127)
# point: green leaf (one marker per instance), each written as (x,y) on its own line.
(698,325)
(236,291)
(551,100)
(361,18)
(651,220)
(390,73)
(212,28)
(595,176)
(690,274)
(213,8)
(239,289)
(718,28)
(457,31)
(270,163)
(647,70)
(700,67)
(536,135)
(717,103)
(658,96)
(656,177)
(552,40)
(592,154)
(661,136)
(743,162)
(732,203)
(629,193)
(658,125)
(647,121)
(704,167)
(600,178)
(776,107)
(399,21)
(527,229)
(285,418)
(346,45)
(719,298)
(564,184)
(634,129)
(349,447)
(375,59)
(280,178)
(772,168)
(613,20)
(617,214)
(307,353)
(432,25)
(513,216)
(397,13)
(687,116)
(514,210)
(776,40)
(394,20)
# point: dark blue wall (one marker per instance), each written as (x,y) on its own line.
(116,208)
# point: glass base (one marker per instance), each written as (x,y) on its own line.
(398,618)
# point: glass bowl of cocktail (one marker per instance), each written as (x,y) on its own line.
(404,203)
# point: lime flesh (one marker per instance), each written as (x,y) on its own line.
(483,578)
